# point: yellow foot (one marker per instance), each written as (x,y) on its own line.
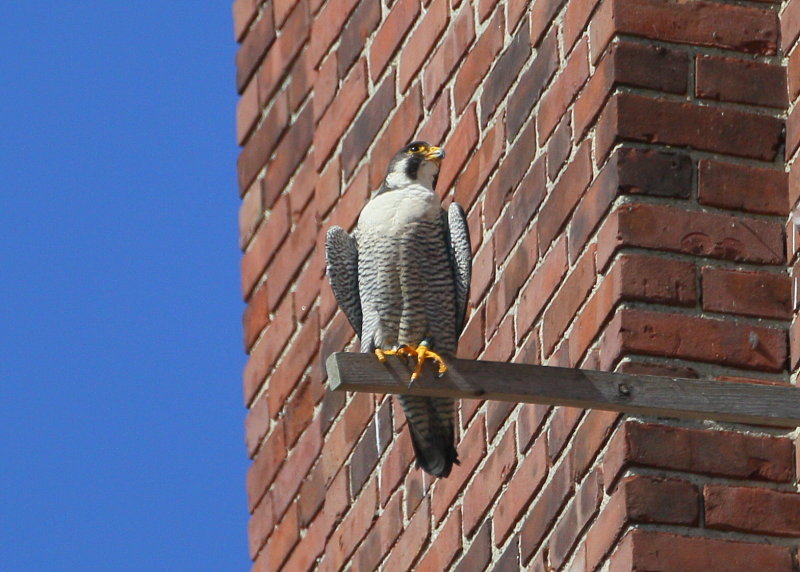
(422,352)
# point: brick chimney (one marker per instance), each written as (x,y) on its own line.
(630,173)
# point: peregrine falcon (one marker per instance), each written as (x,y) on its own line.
(402,279)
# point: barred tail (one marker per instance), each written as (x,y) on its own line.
(432,424)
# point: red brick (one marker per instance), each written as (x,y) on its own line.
(567,300)
(485,8)
(354,36)
(790,26)
(720,78)
(354,197)
(400,130)
(472,449)
(542,15)
(336,502)
(366,126)
(627,63)
(529,423)
(522,487)
(260,526)
(352,529)
(299,410)
(327,26)
(248,111)
(541,286)
(244,12)
(340,113)
(451,49)
(645,496)
(576,17)
(345,433)
(564,196)
(281,54)
(422,41)
(251,213)
(281,9)
(590,436)
(701,339)
(442,551)
(459,145)
(752,510)
(545,507)
(395,465)
(479,553)
(391,34)
(732,132)
(380,538)
(792,132)
(488,480)
(516,219)
(263,141)
(253,48)
(740,28)
(629,171)
(414,490)
(496,414)
(509,560)
(303,77)
(283,538)
(532,82)
(504,73)
(509,282)
(515,9)
(512,169)
(559,148)
(562,423)
(437,125)
(478,61)
(602,535)
(575,517)
(718,453)
(501,346)
(633,277)
(735,238)
(563,90)
(740,187)
(480,165)
(793,71)
(264,245)
(296,467)
(282,165)
(411,540)
(656,550)
(291,256)
(266,351)
(326,86)
(255,317)
(472,338)
(758,294)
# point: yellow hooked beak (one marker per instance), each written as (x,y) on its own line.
(434,154)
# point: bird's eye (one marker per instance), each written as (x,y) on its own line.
(414,149)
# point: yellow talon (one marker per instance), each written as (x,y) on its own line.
(421,352)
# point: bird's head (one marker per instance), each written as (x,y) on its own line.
(417,162)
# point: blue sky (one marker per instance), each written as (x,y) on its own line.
(121,409)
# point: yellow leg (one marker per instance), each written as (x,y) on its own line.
(421,352)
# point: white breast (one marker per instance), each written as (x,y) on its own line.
(394,209)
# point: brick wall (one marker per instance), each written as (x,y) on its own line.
(624,168)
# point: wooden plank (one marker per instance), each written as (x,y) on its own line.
(738,402)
